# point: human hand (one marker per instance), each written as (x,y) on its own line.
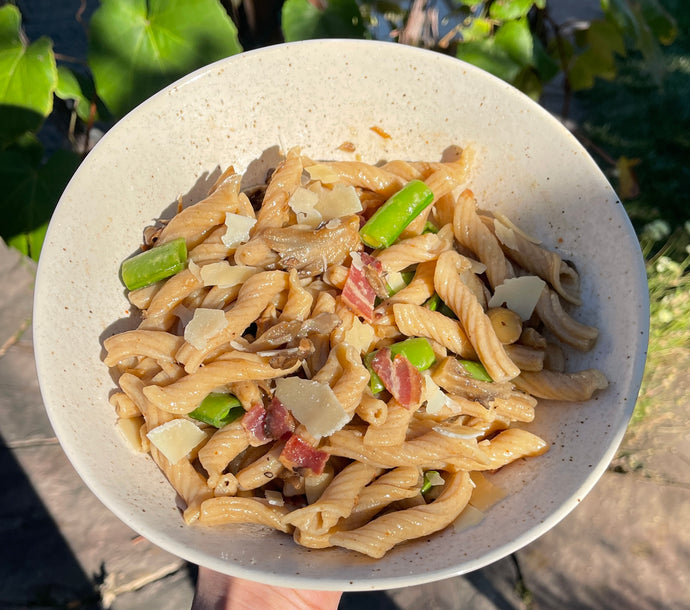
(216,591)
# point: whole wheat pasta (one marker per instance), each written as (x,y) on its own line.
(222,510)
(337,454)
(158,345)
(566,328)
(393,431)
(380,535)
(417,321)
(471,233)
(575,387)
(477,325)
(196,221)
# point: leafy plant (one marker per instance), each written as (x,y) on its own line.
(136,47)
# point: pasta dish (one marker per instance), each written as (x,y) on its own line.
(341,352)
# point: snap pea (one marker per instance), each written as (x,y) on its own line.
(390,220)
(218,409)
(475,370)
(155,264)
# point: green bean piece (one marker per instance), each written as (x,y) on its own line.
(156,264)
(417,350)
(406,277)
(218,409)
(475,370)
(426,485)
(390,220)
(430,227)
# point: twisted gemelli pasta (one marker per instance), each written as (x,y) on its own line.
(293,377)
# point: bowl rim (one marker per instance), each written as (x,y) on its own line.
(312,582)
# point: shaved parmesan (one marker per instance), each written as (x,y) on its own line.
(341,201)
(435,398)
(130,428)
(315,485)
(361,336)
(505,235)
(205,324)
(313,404)
(323,173)
(303,202)
(485,493)
(225,275)
(395,281)
(176,439)
(469,517)
(476,267)
(434,478)
(194,269)
(504,220)
(274,498)
(237,229)
(520,294)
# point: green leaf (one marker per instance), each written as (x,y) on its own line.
(301,20)
(602,41)
(546,65)
(28,75)
(476,29)
(489,56)
(71,87)
(31,192)
(516,39)
(660,22)
(506,10)
(137,47)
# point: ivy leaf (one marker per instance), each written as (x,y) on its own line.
(137,47)
(507,10)
(490,56)
(301,20)
(81,90)
(660,22)
(31,192)
(28,75)
(602,41)
(476,29)
(516,38)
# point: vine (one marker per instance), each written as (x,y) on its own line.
(137,47)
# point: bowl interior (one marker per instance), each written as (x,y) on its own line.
(316,95)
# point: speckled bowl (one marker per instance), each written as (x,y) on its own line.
(317,95)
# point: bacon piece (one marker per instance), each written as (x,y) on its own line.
(399,376)
(279,420)
(254,422)
(267,424)
(298,453)
(358,292)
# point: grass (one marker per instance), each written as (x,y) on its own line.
(645,116)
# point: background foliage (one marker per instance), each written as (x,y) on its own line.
(136,47)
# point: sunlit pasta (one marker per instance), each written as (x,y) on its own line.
(305,369)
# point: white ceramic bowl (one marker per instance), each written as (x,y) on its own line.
(317,95)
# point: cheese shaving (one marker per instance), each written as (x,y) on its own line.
(205,324)
(176,438)
(313,404)
(237,229)
(360,335)
(504,220)
(302,203)
(520,294)
(223,274)
(323,173)
(342,200)
(505,235)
